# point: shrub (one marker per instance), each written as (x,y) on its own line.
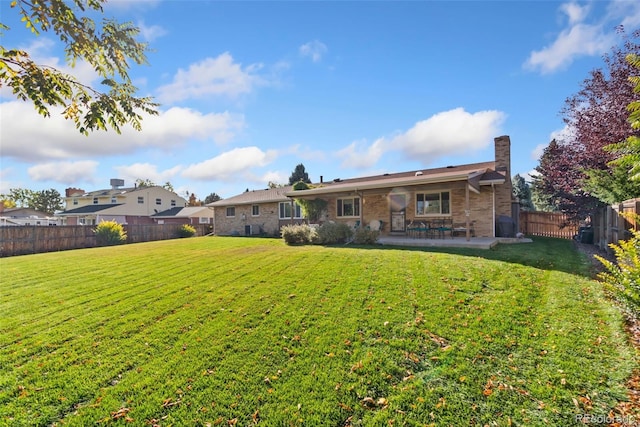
(364,236)
(623,276)
(109,233)
(186,230)
(299,234)
(331,233)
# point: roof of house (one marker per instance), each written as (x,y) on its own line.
(268,195)
(24,213)
(88,209)
(179,212)
(482,173)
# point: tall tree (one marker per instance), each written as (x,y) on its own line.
(522,191)
(299,174)
(213,197)
(628,151)
(596,117)
(108,48)
(48,201)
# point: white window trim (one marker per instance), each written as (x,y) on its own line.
(296,208)
(428,215)
(255,206)
(353,199)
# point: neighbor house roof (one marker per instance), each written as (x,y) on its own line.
(88,209)
(268,195)
(179,212)
(476,174)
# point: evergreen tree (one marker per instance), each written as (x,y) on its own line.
(299,174)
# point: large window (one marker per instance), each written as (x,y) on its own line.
(255,210)
(348,207)
(433,203)
(285,210)
(231,211)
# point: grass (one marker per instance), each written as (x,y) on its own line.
(234,331)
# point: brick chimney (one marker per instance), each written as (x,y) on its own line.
(70,192)
(503,155)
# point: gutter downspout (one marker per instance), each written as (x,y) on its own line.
(493,209)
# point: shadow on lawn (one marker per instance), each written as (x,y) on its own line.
(544,253)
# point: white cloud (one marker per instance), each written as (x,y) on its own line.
(231,165)
(575,12)
(150,32)
(579,38)
(64,172)
(29,137)
(360,156)
(314,49)
(146,171)
(625,11)
(450,132)
(219,76)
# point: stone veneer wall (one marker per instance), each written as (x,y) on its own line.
(268,219)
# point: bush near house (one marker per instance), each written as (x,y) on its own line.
(110,233)
(365,236)
(186,230)
(331,233)
(299,234)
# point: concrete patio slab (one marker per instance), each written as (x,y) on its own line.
(456,242)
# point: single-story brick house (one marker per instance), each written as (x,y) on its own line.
(472,197)
(255,212)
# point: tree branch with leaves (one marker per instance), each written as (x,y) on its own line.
(108,49)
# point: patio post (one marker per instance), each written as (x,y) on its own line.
(467,212)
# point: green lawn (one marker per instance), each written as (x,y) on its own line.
(236,331)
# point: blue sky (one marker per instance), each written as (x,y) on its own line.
(348,88)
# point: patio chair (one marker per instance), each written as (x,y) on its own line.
(443,226)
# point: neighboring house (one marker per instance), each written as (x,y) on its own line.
(255,212)
(477,195)
(26,216)
(190,215)
(472,197)
(130,205)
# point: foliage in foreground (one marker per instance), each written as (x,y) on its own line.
(228,331)
(109,233)
(623,276)
(108,47)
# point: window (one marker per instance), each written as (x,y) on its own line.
(173,203)
(95,200)
(114,199)
(285,210)
(140,200)
(349,207)
(75,202)
(231,211)
(158,201)
(203,220)
(255,210)
(433,203)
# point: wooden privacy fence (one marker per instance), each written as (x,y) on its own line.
(547,224)
(22,240)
